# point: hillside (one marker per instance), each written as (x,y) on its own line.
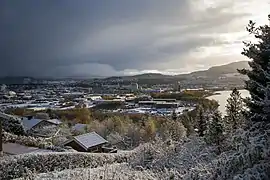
(211,73)
(221,70)
(151,76)
(141,76)
(223,74)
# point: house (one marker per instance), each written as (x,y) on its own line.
(15,149)
(89,142)
(32,125)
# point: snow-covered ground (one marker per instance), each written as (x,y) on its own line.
(247,157)
(114,171)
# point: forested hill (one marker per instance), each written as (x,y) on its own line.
(211,73)
(223,69)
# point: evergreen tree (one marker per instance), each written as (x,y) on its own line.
(215,131)
(234,109)
(266,104)
(201,126)
(188,122)
(258,75)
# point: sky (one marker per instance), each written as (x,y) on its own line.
(65,38)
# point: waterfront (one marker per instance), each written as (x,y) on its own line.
(222,97)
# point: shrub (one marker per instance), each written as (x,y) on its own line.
(13,125)
(17,166)
(31,141)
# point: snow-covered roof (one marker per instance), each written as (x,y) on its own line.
(55,121)
(90,139)
(14,149)
(28,124)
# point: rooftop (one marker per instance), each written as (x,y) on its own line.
(90,139)
(28,124)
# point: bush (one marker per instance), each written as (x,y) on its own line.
(17,166)
(117,171)
(31,141)
(13,125)
(173,158)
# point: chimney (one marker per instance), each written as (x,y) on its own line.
(1,145)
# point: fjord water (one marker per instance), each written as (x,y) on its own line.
(222,97)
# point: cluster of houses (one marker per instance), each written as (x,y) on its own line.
(47,128)
(63,98)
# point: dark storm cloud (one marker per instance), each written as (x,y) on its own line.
(43,33)
(67,37)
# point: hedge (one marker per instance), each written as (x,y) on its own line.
(22,165)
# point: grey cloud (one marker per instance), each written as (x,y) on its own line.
(66,37)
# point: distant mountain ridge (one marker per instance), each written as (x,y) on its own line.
(211,73)
(214,71)
(230,68)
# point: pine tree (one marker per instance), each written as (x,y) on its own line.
(201,126)
(266,104)
(188,122)
(234,109)
(258,75)
(215,131)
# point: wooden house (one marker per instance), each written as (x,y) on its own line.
(89,142)
(33,126)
